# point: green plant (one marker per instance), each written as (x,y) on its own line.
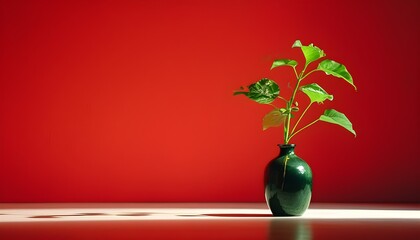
(265,91)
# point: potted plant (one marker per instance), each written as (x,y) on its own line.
(288,178)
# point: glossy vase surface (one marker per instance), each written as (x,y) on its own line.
(288,183)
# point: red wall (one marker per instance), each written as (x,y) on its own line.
(132,100)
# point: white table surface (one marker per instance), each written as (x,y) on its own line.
(205,221)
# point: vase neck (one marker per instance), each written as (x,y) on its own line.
(286,149)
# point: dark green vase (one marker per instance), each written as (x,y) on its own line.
(288,183)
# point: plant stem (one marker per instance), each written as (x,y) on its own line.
(301,116)
(310,124)
(289,112)
(290,103)
(285,131)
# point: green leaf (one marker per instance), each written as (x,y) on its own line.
(274,118)
(283,62)
(264,91)
(316,93)
(337,70)
(311,52)
(335,117)
(297,43)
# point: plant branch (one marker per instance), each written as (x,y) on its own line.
(303,71)
(282,98)
(297,76)
(301,76)
(301,116)
(309,73)
(310,124)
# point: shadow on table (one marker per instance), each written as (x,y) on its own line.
(289,229)
(246,215)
